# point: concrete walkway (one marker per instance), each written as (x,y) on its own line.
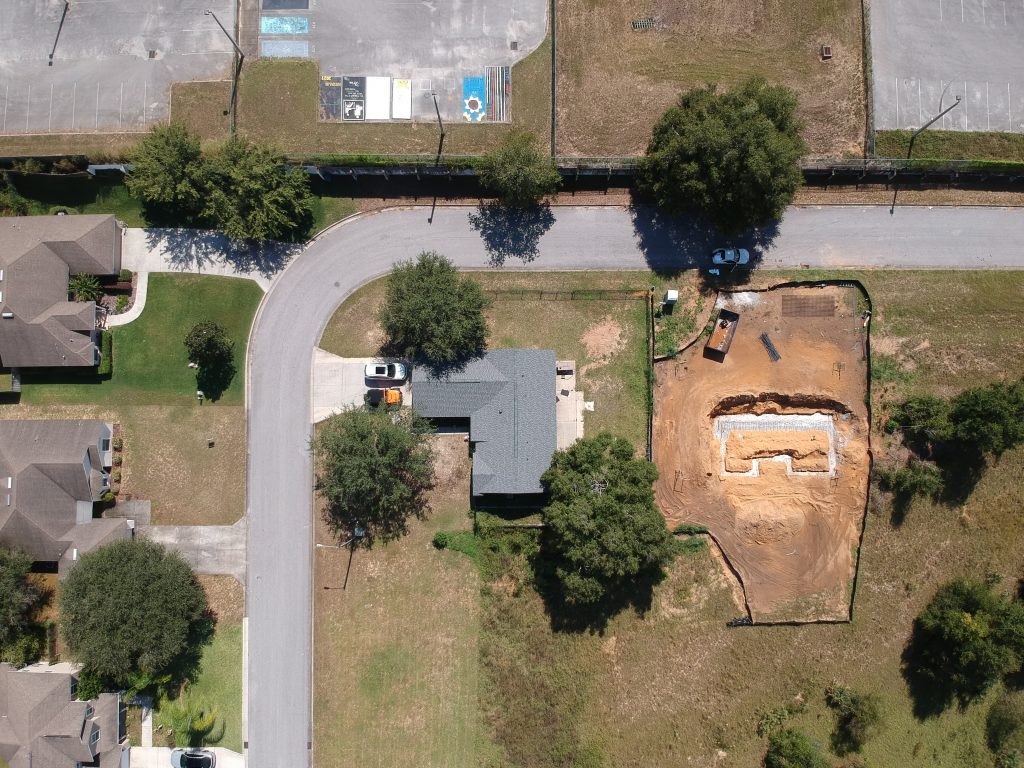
(215,550)
(201,252)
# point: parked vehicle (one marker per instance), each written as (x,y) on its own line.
(387,371)
(730,257)
(386,397)
(193,758)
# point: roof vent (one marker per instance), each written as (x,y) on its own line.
(7,315)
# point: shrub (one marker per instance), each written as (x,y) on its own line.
(90,685)
(26,649)
(68,165)
(791,748)
(518,172)
(118,444)
(109,498)
(106,366)
(62,209)
(917,478)
(923,419)
(121,304)
(117,460)
(1004,726)
(689,528)
(85,287)
(125,275)
(991,419)
(858,715)
(11,203)
(28,165)
(116,477)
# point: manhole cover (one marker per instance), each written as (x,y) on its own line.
(514,45)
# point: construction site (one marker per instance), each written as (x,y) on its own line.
(761,436)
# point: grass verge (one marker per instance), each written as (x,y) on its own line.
(952,145)
(150,362)
(83,194)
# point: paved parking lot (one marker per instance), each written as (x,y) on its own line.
(113,61)
(968,48)
(432,43)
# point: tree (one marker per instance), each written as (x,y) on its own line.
(923,420)
(518,172)
(792,749)
(731,156)
(374,469)
(19,597)
(990,419)
(964,640)
(168,173)
(857,717)
(84,287)
(132,608)
(209,347)
(253,195)
(194,721)
(433,315)
(604,532)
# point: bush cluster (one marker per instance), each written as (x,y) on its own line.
(857,717)
(106,366)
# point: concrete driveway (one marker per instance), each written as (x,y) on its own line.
(303,298)
(160,757)
(216,550)
(339,383)
(113,62)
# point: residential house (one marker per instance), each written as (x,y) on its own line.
(39,327)
(51,474)
(43,725)
(508,398)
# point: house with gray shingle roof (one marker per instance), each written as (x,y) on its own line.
(39,327)
(51,474)
(43,725)
(508,397)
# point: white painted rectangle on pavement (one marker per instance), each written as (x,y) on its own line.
(378,98)
(401,99)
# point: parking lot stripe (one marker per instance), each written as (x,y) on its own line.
(28,106)
(988,110)
(97,105)
(920,117)
(7,93)
(145,97)
(49,115)
(74,103)
(1009,106)
(897,103)
(120,106)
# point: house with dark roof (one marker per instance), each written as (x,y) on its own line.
(51,474)
(508,397)
(43,725)
(39,327)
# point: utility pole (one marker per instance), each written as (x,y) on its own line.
(239,58)
(910,148)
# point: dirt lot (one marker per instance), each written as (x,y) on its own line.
(773,457)
(613,83)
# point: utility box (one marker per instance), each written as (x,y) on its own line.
(826,52)
(671,297)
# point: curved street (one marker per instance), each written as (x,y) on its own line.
(304,296)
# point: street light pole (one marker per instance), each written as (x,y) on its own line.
(910,148)
(239,58)
(440,126)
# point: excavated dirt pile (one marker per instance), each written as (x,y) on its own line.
(772,457)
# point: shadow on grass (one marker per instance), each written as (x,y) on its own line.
(511,232)
(78,376)
(214,380)
(931,694)
(633,594)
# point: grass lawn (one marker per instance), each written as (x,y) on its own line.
(952,145)
(83,194)
(613,82)
(676,686)
(150,363)
(396,659)
(605,336)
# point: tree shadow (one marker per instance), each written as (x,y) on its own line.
(511,232)
(214,380)
(672,244)
(931,694)
(196,250)
(635,594)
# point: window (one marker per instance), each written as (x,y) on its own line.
(105,444)
(95,737)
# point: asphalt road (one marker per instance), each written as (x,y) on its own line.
(305,295)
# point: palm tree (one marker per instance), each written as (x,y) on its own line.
(194,722)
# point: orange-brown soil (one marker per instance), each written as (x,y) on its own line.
(791,530)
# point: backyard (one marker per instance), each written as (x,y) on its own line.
(676,686)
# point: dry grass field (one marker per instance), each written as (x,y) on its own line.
(614,83)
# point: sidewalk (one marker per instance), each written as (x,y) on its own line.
(195,251)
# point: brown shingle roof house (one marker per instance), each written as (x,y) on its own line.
(51,472)
(43,726)
(39,327)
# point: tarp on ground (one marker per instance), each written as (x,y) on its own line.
(401,99)
(378,98)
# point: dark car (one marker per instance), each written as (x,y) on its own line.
(193,758)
